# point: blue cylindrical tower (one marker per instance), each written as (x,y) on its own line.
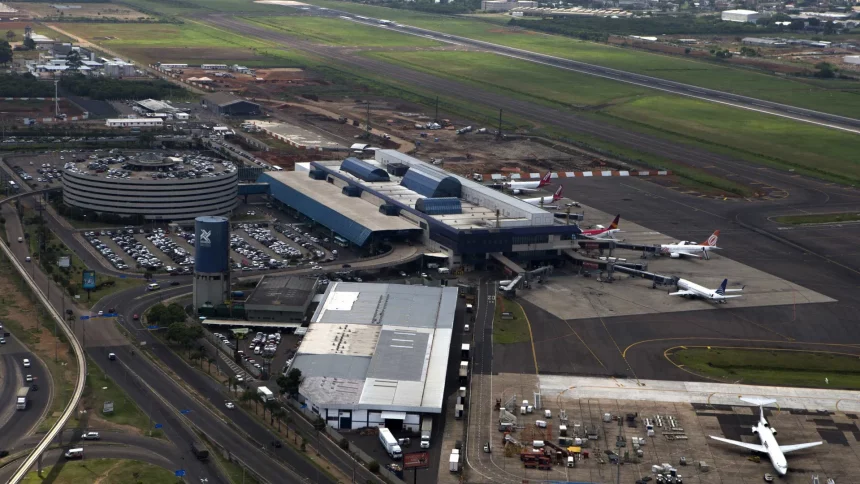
(211,244)
(211,261)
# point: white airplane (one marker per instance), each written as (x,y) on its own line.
(766,435)
(545,201)
(685,248)
(693,290)
(517,187)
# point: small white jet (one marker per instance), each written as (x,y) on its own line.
(545,202)
(685,248)
(693,290)
(518,187)
(766,435)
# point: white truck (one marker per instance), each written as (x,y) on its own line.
(426,431)
(265,394)
(21,399)
(390,444)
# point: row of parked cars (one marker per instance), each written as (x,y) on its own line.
(253,259)
(265,237)
(127,243)
(306,240)
(177,253)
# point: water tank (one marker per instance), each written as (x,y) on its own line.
(211,244)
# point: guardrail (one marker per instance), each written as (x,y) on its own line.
(79,354)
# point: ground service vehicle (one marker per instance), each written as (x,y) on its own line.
(390,443)
(21,399)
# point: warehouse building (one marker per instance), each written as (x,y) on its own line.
(230,104)
(377,354)
(743,16)
(283,299)
(397,197)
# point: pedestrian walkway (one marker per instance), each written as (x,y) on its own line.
(234,367)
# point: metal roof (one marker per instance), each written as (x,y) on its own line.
(286,291)
(363,170)
(439,206)
(430,184)
(387,344)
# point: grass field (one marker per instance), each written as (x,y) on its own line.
(818,218)
(773,367)
(839,97)
(744,134)
(509,331)
(106,471)
(191,42)
(341,33)
(85,10)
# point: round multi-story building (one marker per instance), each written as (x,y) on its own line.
(152,186)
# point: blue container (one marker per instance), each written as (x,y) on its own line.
(211,244)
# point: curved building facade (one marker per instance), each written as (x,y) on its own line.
(157,189)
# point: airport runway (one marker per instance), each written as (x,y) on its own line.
(705,94)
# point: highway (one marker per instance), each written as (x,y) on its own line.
(712,95)
(16,424)
(55,458)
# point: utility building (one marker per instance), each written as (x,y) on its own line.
(377,354)
(743,16)
(230,104)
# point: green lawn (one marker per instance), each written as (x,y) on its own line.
(818,218)
(105,471)
(100,388)
(191,42)
(105,285)
(839,97)
(340,32)
(773,367)
(509,331)
(739,133)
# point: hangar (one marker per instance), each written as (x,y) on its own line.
(230,104)
(377,354)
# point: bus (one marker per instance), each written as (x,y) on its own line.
(340,241)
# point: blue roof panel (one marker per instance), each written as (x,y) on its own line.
(439,206)
(364,170)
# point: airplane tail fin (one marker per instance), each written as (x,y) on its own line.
(614,224)
(557,195)
(545,180)
(761,402)
(722,289)
(712,240)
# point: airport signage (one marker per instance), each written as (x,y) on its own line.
(65,261)
(108,407)
(89,280)
(416,460)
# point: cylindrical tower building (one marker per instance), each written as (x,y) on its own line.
(211,261)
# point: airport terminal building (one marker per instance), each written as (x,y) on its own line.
(377,354)
(397,197)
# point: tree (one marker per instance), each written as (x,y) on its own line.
(73,61)
(250,395)
(278,414)
(231,383)
(290,384)
(319,425)
(10,36)
(271,406)
(209,361)
(5,53)
(825,70)
(29,43)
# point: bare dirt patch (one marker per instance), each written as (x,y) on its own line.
(80,10)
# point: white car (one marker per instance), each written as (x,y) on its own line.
(28,378)
(229,405)
(90,436)
(2,341)
(26,362)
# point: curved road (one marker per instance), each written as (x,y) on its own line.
(55,458)
(16,424)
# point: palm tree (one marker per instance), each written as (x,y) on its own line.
(209,361)
(249,395)
(271,405)
(10,36)
(231,383)
(278,414)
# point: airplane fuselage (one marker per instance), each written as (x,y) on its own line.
(767,439)
(699,291)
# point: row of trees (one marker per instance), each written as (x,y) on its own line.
(669,25)
(103,88)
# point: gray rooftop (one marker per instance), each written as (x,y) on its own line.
(393,339)
(284,291)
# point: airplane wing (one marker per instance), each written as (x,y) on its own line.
(791,448)
(753,447)
(730,297)
(685,254)
(682,293)
(524,190)
(733,290)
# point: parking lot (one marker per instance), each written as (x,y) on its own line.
(270,349)
(134,248)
